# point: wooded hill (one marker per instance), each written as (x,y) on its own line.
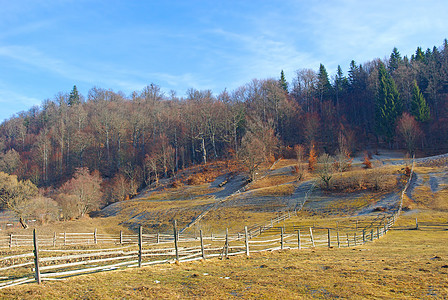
(132,141)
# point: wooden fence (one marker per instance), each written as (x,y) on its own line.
(52,260)
(62,255)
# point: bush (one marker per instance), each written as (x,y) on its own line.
(43,209)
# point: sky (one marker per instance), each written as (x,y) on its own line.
(47,47)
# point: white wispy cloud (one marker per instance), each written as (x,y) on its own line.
(263,55)
(99,73)
(364,30)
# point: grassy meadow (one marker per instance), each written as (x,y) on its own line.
(404,264)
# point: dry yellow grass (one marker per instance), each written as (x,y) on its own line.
(352,204)
(274,180)
(184,192)
(423,197)
(233,218)
(405,264)
(276,191)
(284,163)
(86,225)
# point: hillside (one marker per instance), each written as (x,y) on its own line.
(403,263)
(235,203)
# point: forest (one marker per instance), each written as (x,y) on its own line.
(76,153)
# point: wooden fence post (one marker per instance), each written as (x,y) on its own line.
(378,233)
(354,238)
(54,239)
(339,243)
(158,237)
(175,239)
(246,240)
(36,258)
(281,238)
(356,224)
(10,240)
(65,238)
(227,244)
(363,236)
(348,241)
(140,245)
(329,238)
(416,224)
(95,240)
(202,244)
(311,236)
(298,239)
(371,235)
(121,237)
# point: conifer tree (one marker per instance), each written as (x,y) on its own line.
(394,60)
(340,81)
(419,107)
(352,72)
(388,105)
(324,86)
(419,55)
(73,99)
(283,82)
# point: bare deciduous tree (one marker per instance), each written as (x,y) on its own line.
(409,131)
(325,169)
(85,189)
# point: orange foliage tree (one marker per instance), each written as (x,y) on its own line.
(312,159)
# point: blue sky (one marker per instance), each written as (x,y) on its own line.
(46,47)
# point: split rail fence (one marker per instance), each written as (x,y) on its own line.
(48,258)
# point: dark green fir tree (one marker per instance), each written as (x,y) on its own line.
(323,84)
(419,107)
(394,60)
(283,82)
(388,105)
(73,99)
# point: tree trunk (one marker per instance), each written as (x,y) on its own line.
(204,152)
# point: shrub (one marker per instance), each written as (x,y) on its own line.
(367,163)
(377,179)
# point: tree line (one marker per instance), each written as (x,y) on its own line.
(127,142)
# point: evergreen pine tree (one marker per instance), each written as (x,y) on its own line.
(394,60)
(419,55)
(73,99)
(340,82)
(388,105)
(283,82)
(352,72)
(419,107)
(324,85)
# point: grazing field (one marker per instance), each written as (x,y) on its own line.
(404,264)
